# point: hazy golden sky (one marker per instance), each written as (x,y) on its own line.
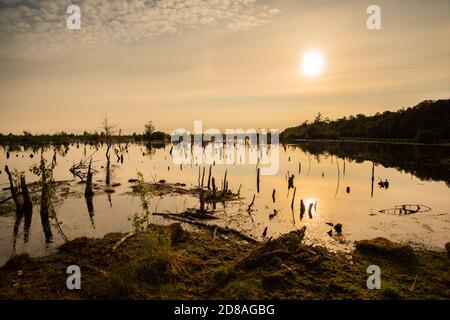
(229,63)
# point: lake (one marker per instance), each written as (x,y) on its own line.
(332,179)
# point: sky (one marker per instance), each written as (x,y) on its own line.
(229,63)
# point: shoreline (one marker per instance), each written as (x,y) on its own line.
(362,140)
(167,262)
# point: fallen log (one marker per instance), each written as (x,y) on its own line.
(122,240)
(213,228)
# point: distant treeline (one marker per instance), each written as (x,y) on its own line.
(63,138)
(427,162)
(427,122)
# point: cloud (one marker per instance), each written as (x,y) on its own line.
(31,24)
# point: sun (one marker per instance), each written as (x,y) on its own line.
(312,63)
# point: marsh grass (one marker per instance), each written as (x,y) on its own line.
(155,264)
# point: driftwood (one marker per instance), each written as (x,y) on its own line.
(79,169)
(122,240)
(191,215)
(252,203)
(96,269)
(212,228)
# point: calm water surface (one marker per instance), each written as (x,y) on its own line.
(334,177)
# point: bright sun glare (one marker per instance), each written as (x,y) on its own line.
(312,63)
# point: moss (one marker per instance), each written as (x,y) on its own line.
(155,270)
(17,262)
(387,249)
(220,274)
(111,287)
(242,290)
(178,235)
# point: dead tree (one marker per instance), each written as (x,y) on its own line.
(27,204)
(257,179)
(203,177)
(209,177)
(252,203)
(310,210)
(108,166)
(88,190)
(225,183)
(213,182)
(302,209)
(291,182)
(293,199)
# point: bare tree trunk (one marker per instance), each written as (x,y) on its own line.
(209,178)
(203,177)
(88,190)
(293,198)
(225,181)
(302,209)
(108,166)
(27,204)
(372,179)
(27,209)
(44,214)
(213,181)
(257,180)
(252,203)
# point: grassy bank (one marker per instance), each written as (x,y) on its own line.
(167,262)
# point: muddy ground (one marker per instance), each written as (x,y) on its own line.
(167,262)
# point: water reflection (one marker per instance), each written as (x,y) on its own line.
(341,183)
(426,162)
(90,208)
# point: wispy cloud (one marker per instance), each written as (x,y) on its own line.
(27,23)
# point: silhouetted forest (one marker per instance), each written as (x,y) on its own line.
(427,122)
(426,162)
(64,138)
